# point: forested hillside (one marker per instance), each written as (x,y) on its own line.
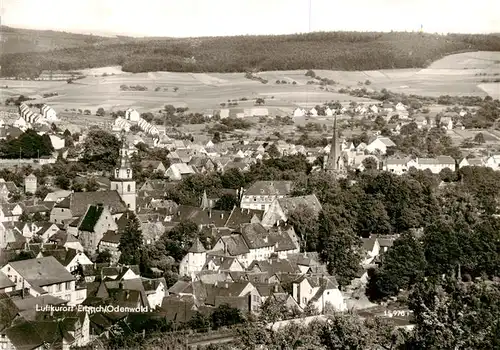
(15,40)
(332,50)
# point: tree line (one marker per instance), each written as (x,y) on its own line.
(334,50)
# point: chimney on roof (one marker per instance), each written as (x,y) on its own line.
(222,215)
(209,213)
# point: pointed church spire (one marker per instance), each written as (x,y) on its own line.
(204,201)
(124,157)
(335,162)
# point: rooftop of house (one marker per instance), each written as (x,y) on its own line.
(241,216)
(5,282)
(111,237)
(438,160)
(78,202)
(64,256)
(235,244)
(200,216)
(289,204)
(91,218)
(274,266)
(42,271)
(269,188)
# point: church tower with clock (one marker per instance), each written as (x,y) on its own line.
(123,180)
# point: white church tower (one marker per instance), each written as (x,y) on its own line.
(123,180)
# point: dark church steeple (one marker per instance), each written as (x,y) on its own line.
(335,162)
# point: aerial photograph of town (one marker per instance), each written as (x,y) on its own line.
(268,175)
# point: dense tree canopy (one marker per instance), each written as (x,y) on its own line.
(335,50)
(101,150)
(27,145)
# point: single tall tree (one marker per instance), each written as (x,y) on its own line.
(131,241)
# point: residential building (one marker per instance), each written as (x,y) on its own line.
(471,162)
(320,291)
(76,205)
(446,123)
(7,189)
(54,330)
(299,112)
(58,142)
(178,171)
(261,194)
(281,208)
(6,285)
(154,165)
(396,165)
(10,212)
(380,145)
(71,259)
(255,242)
(435,165)
(48,113)
(110,242)
(91,227)
(44,276)
(132,115)
(493,162)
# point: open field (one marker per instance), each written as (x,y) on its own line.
(453,75)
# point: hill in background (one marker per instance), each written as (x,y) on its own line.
(326,50)
(16,40)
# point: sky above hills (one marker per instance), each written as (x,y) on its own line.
(184,18)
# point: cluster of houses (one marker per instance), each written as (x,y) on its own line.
(448,121)
(252,255)
(246,255)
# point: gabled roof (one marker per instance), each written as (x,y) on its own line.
(111,237)
(225,289)
(64,256)
(275,266)
(78,202)
(256,236)
(241,216)
(269,188)
(91,218)
(369,243)
(289,204)
(5,282)
(8,311)
(200,216)
(235,244)
(42,271)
